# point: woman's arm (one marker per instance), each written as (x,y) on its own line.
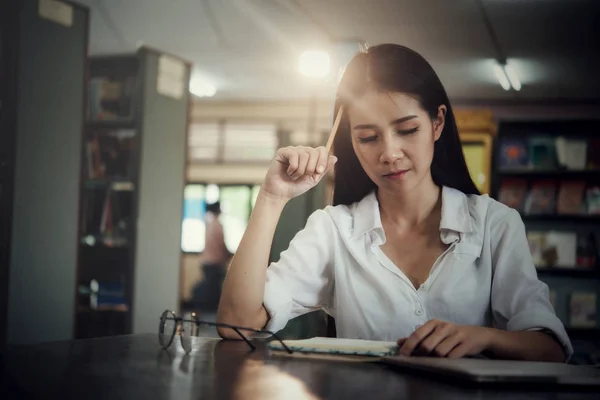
(243,290)
(525,345)
(294,171)
(520,302)
(445,339)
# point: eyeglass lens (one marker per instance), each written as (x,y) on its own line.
(166,330)
(188,330)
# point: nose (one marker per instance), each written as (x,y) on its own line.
(391,152)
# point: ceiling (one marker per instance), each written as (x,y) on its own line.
(249,49)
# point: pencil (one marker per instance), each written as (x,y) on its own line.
(336,125)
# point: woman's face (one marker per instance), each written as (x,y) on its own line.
(393,138)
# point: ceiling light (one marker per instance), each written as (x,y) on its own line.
(501,76)
(512,77)
(201,88)
(314,63)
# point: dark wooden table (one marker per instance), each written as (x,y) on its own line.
(134,367)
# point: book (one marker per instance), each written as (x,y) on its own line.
(565,246)
(582,310)
(571,197)
(592,199)
(571,153)
(593,153)
(542,152)
(338,346)
(111,99)
(552,295)
(586,251)
(537,244)
(541,198)
(513,193)
(513,154)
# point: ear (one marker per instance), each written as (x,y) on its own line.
(438,122)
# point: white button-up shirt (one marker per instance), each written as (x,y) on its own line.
(486,277)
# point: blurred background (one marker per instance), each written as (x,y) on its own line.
(135,135)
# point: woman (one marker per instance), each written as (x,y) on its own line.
(213,262)
(410,250)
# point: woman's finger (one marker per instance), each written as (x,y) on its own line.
(431,342)
(313,160)
(289,156)
(323,162)
(331,160)
(417,337)
(446,346)
(459,351)
(303,157)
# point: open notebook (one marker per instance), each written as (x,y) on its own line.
(335,346)
(472,369)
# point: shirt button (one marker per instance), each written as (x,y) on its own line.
(419,312)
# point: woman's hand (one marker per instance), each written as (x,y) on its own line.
(295,170)
(444,339)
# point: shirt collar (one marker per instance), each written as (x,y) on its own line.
(455,211)
(455,214)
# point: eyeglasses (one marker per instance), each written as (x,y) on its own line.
(190,324)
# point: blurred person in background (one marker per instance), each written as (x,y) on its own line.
(410,250)
(213,262)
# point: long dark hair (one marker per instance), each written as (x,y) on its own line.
(395,68)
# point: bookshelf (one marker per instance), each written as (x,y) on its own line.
(46,82)
(550,172)
(131,191)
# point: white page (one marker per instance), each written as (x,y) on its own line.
(339,345)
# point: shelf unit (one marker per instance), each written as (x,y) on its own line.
(562,280)
(131,190)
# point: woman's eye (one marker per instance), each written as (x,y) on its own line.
(407,132)
(367,139)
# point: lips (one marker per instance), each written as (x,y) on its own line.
(396,174)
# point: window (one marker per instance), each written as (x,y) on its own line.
(203,142)
(232,142)
(236,202)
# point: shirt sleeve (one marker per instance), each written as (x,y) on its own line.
(302,280)
(520,301)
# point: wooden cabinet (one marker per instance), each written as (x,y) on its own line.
(477,129)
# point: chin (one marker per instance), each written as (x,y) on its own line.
(399,185)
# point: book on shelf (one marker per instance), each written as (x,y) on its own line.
(552,296)
(513,193)
(547,153)
(549,197)
(541,197)
(542,152)
(110,98)
(514,153)
(582,310)
(109,154)
(571,199)
(592,199)
(561,248)
(571,153)
(537,244)
(107,214)
(593,153)
(564,244)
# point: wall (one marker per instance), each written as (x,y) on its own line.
(49,131)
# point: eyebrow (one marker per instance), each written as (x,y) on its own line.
(394,122)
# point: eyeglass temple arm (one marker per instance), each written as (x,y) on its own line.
(252,346)
(290,351)
(240,334)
